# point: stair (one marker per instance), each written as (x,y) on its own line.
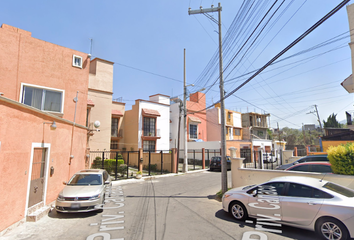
(37,211)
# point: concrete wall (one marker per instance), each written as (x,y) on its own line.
(33,61)
(21,129)
(327,144)
(243,177)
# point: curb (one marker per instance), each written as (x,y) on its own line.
(134,180)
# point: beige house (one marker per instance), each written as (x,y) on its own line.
(108,115)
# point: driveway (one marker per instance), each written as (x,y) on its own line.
(174,207)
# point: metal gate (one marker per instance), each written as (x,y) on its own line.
(37,176)
(246,154)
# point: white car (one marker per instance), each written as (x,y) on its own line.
(85,191)
(302,202)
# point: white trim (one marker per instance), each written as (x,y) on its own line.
(45,88)
(38,145)
(75,65)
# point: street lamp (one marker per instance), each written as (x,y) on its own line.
(53,125)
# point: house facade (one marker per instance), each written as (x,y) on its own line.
(147,124)
(196,120)
(234,130)
(43,131)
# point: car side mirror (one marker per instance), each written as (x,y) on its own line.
(254,193)
(106,182)
(65,183)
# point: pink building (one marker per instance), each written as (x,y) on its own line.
(40,84)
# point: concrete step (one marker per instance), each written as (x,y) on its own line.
(38,214)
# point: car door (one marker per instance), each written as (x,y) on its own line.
(267,201)
(300,204)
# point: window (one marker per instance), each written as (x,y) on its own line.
(298,190)
(303,168)
(339,189)
(149,146)
(114,144)
(114,127)
(321,168)
(44,99)
(149,126)
(237,132)
(260,133)
(77,61)
(193,131)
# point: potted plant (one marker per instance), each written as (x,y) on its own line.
(138,174)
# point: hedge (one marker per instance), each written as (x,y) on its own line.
(109,164)
(342,158)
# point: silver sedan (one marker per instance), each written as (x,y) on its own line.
(302,202)
(84,192)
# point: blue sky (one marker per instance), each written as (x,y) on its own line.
(145,40)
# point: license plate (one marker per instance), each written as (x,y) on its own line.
(75,205)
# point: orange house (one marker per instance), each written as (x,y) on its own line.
(43,133)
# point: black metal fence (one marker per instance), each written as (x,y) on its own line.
(124,164)
(195,158)
(269,160)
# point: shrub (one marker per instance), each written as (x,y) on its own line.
(342,158)
(122,169)
(109,164)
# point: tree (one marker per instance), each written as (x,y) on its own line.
(332,122)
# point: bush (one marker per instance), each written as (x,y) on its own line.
(342,158)
(122,169)
(109,164)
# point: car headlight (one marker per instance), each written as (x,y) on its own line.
(95,197)
(60,198)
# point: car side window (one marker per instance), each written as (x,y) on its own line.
(321,168)
(299,190)
(279,186)
(105,176)
(301,160)
(320,159)
(304,168)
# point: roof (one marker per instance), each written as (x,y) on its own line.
(90,102)
(117,112)
(151,112)
(194,119)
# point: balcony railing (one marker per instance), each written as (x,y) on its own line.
(148,133)
(117,133)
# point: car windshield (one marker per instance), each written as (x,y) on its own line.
(85,179)
(339,189)
(215,158)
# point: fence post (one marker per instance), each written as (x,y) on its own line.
(102,160)
(116,165)
(194,159)
(141,159)
(295,151)
(149,161)
(208,158)
(128,161)
(203,158)
(161,162)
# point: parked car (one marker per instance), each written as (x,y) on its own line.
(268,158)
(320,167)
(85,191)
(215,163)
(302,202)
(310,158)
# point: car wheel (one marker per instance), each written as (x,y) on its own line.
(238,211)
(331,229)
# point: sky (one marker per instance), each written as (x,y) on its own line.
(146,41)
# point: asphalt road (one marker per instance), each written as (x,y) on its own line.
(164,208)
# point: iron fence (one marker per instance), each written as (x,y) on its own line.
(262,160)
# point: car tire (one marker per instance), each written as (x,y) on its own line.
(238,211)
(330,228)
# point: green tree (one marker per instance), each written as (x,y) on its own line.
(332,122)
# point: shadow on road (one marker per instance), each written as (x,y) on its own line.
(290,232)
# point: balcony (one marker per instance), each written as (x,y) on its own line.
(148,133)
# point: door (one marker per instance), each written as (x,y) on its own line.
(301,204)
(246,154)
(37,176)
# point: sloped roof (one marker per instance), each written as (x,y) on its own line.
(194,119)
(117,112)
(151,112)
(90,102)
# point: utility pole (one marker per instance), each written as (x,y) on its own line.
(185,158)
(224,184)
(318,117)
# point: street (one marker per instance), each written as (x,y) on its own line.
(173,207)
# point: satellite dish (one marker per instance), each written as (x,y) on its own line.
(96,124)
